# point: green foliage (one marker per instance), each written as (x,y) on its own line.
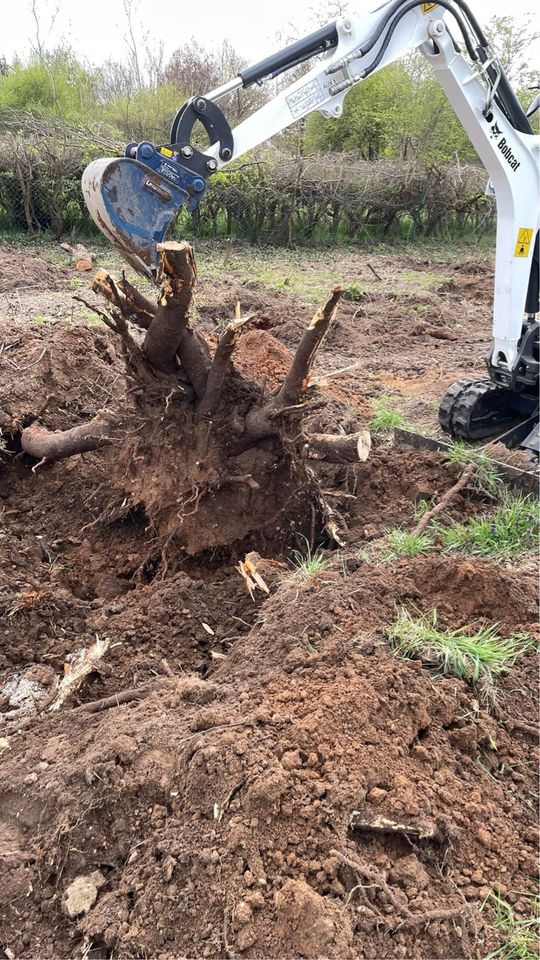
(55,84)
(511,529)
(521,934)
(309,563)
(144,114)
(385,417)
(463,652)
(354,292)
(401,543)
(393,114)
(374,119)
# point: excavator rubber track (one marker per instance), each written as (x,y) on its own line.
(476,410)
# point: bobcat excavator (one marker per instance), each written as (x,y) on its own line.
(135,199)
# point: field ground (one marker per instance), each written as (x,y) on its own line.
(212,810)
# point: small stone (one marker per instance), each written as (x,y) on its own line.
(255,900)
(245,938)
(81,895)
(291,759)
(376,794)
(483,837)
(242,914)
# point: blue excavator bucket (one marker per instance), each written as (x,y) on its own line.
(135,205)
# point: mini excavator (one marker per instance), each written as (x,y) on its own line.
(134,199)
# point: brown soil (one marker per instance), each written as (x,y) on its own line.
(217,805)
(21,272)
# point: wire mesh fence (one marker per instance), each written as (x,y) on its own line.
(269,199)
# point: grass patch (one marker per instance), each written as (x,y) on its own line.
(386,418)
(354,292)
(521,935)
(402,543)
(513,528)
(487,478)
(465,653)
(44,318)
(310,562)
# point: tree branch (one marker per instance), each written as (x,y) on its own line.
(445,500)
(297,378)
(220,366)
(132,304)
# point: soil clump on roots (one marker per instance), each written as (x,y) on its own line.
(216,786)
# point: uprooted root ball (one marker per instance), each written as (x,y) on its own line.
(214,459)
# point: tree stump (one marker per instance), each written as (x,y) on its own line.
(215,461)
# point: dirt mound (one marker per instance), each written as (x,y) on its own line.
(269,309)
(66,370)
(20,272)
(218,812)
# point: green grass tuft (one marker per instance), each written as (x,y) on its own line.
(462,653)
(386,418)
(354,291)
(487,478)
(513,528)
(309,563)
(521,935)
(401,543)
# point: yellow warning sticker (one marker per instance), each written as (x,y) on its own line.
(523,242)
(426,7)
(166,152)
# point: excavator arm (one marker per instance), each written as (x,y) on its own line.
(135,199)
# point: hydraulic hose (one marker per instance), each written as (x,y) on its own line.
(405,9)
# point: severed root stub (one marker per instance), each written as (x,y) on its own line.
(213,458)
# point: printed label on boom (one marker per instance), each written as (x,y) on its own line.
(306,98)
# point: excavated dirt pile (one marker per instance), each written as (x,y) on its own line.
(244,776)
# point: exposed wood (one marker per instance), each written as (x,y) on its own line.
(333,448)
(374,272)
(370,873)
(132,304)
(220,366)
(170,332)
(297,379)
(423,830)
(47,444)
(124,696)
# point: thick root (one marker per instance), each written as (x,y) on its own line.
(55,445)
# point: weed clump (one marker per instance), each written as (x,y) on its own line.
(386,418)
(310,562)
(403,543)
(486,476)
(465,653)
(513,528)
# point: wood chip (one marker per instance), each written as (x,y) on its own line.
(422,830)
(252,578)
(80,665)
